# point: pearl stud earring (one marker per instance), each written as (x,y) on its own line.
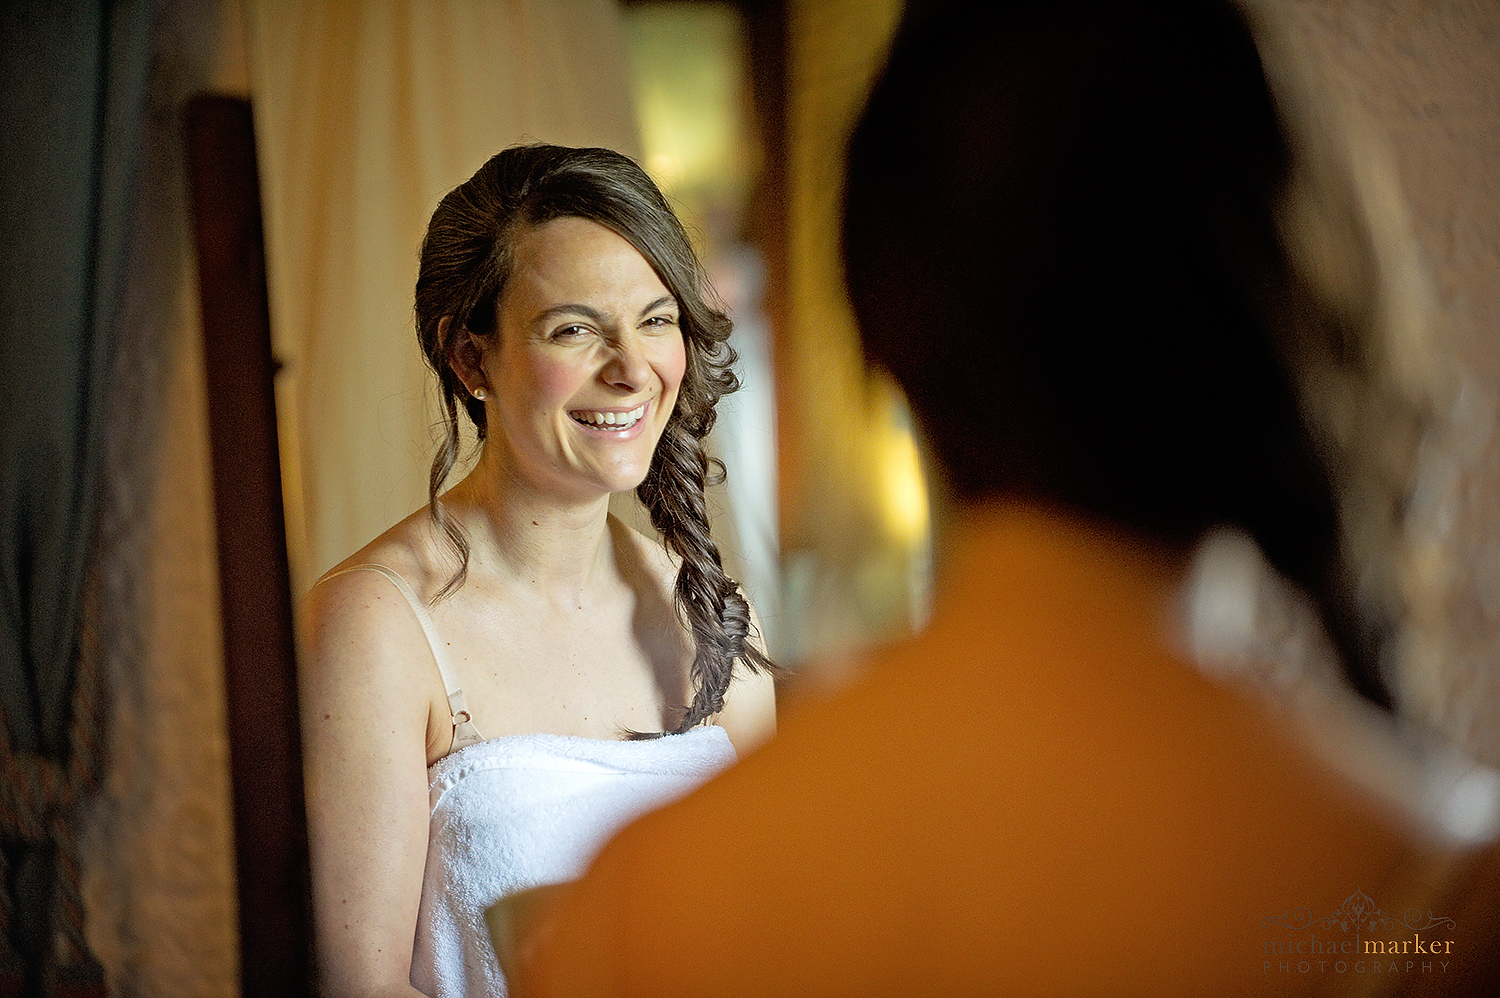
(481,394)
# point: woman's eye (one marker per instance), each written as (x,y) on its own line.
(570,332)
(661,321)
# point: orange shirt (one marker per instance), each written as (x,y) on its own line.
(1032,797)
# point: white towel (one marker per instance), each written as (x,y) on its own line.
(524,810)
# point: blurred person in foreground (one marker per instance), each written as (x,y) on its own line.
(1059,238)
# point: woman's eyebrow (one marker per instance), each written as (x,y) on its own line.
(661,302)
(591,313)
(557,311)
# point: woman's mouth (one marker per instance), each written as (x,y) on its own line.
(604,419)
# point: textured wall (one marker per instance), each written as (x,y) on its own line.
(1396,106)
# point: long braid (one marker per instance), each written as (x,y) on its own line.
(673,493)
(710,602)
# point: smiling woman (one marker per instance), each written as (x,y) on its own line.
(583,372)
(561,308)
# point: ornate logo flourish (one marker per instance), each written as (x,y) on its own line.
(1361,913)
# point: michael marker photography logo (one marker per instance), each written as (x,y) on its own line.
(1357,938)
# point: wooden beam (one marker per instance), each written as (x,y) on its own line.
(270,823)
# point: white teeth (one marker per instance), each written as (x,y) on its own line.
(623,420)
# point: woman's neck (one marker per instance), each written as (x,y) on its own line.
(537,542)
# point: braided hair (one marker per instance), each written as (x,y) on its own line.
(466,259)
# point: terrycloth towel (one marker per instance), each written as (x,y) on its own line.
(524,810)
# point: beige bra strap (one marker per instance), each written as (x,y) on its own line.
(464,732)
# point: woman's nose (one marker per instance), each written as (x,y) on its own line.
(628,368)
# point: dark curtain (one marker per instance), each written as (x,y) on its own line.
(73,89)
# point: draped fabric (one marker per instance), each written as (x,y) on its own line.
(366,115)
(73,81)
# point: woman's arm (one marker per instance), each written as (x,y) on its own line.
(365,687)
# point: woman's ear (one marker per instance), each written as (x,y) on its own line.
(465,357)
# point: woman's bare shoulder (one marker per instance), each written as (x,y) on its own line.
(356,602)
(407,549)
(364,650)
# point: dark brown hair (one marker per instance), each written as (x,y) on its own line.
(1076,199)
(466,260)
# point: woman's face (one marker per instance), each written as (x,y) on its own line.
(586,362)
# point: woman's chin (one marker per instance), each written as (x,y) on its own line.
(622,479)
(628,483)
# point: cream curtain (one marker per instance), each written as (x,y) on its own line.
(366,114)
